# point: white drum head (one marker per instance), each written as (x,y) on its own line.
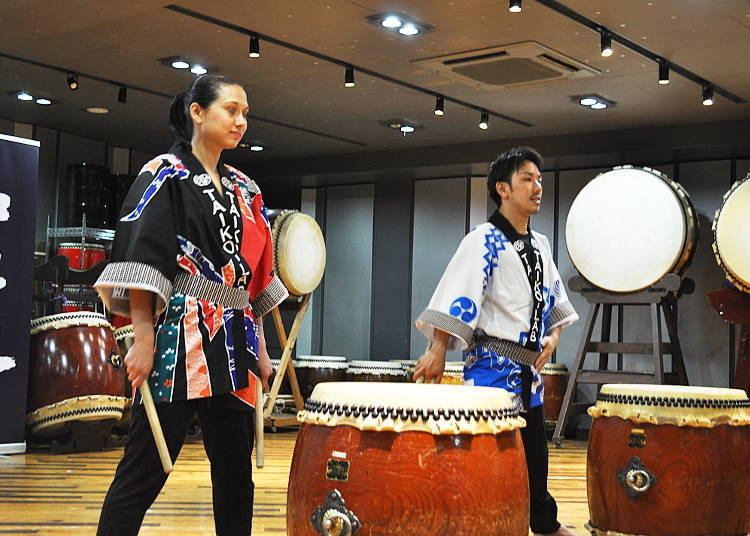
(732,228)
(300,252)
(626,229)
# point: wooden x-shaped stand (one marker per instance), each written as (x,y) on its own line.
(265,415)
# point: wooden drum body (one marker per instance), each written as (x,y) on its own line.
(732,235)
(422,460)
(375,371)
(555,377)
(74,372)
(299,250)
(629,227)
(314,369)
(669,461)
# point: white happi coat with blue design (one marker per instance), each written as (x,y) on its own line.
(485,295)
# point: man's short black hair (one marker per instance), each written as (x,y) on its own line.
(506,164)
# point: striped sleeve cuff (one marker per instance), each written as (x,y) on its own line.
(118,278)
(462,336)
(274,293)
(562,315)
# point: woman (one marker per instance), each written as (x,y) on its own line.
(192,265)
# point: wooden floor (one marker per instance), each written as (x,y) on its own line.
(62,494)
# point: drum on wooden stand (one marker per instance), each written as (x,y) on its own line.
(669,460)
(314,369)
(286,388)
(732,235)
(629,227)
(299,250)
(375,371)
(82,256)
(555,377)
(408,366)
(73,374)
(423,460)
(125,337)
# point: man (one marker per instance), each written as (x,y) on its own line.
(502,302)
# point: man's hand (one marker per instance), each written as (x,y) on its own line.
(431,365)
(549,343)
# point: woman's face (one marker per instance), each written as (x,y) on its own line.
(224,122)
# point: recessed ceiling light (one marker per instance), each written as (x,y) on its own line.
(407,129)
(588,101)
(398,22)
(256,148)
(97,110)
(391,21)
(598,106)
(43,101)
(180,64)
(22,95)
(198,69)
(593,101)
(408,29)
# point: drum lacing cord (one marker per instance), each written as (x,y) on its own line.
(673,402)
(408,413)
(73,413)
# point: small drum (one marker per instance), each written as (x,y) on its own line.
(408,365)
(669,460)
(629,227)
(286,388)
(555,378)
(71,306)
(423,460)
(74,372)
(732,235)
(314,369)
(82,256)
(299,251)
(375,371)
(453,374)
(78,298)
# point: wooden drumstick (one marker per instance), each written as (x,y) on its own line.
(153,420)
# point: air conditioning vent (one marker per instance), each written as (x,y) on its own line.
(511,65)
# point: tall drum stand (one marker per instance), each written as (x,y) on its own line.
(661,298)
(734,306)
(266,414)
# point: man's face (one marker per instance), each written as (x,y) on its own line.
(524,193)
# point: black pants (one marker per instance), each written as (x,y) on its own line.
(228,440)
(543,506)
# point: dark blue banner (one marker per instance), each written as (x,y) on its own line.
(19,164)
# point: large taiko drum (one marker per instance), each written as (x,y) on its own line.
(453,374)
(629,227)
(669,460)
(375,371)
(82,256)
(422,460)
(732,235)
(74,372)
(314,369)
(299,250)
(555,377)
(408,366)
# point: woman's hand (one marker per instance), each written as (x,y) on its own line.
(139,361)
(431,365)
(140,358)
(549,343)
(264,360)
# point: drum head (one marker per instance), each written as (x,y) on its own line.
(626,229)
(732,234)
(300,251)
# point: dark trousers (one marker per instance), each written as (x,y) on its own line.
(543,506)
(228,440)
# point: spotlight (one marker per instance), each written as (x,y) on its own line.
(122,95)
(198,69)
(514,6)
(349,77)
(22,95)
(708,95)
(408,29)
(254,50)
(391,21)
(407,129)
(73,81)
(180,64)
(440,105)
(606,44)
(484,120)
(663,73)
(43,101)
